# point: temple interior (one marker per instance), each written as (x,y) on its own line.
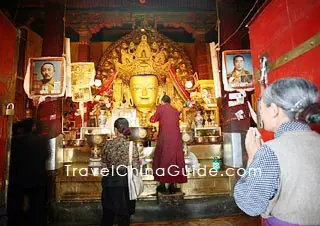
(117,59)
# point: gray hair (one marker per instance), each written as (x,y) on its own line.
(291,94)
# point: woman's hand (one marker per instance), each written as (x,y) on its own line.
(253,143)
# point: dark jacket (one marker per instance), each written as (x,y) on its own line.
(28,157)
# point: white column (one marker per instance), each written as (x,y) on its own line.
(215,69)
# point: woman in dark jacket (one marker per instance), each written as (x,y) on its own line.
(115,193)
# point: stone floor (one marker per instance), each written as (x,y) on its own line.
(206,211)
(201,211)
(239,220)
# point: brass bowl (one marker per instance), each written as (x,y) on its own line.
(96,139)
(65,142)
(187,137)
(140,133)
(213,139)
(78,142)
(199,140)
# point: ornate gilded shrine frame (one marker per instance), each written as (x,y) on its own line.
(146,51)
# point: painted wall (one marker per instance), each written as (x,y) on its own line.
(282,26)
(7,70)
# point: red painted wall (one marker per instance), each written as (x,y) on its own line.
(7,46)
(280,27)
(7,56)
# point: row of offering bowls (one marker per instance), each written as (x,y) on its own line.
(93,137)
(139,134)
(74,143)
(207,139)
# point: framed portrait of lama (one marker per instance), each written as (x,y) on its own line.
(237,70)
(47,76)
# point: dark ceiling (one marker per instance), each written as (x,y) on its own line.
(31,13)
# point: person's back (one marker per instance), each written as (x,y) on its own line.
(29,155)
(27,178)
(115,192)
(169,119)
(169,150)
(298,155)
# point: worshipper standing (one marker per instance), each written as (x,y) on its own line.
(115,192)
(168,161)
(27,189)
(285,187)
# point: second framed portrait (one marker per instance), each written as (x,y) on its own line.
(237,70)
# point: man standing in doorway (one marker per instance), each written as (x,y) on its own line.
(168,161)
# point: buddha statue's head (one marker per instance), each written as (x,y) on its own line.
(144,91)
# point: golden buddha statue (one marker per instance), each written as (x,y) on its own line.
(143,62)
(144,92)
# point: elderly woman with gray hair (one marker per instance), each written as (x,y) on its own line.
(282,179)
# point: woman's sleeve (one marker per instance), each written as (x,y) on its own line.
(156,116)
(259,184)
(104,154)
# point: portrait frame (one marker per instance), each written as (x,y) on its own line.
(232,80)
(39,86)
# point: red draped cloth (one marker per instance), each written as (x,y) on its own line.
(168,161)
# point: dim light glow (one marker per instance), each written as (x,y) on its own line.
(188,84)
(97,82)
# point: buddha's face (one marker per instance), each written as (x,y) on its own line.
(144,91)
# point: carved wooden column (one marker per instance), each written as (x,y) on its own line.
(201,54)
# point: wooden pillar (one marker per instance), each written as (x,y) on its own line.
(84,46)
(49,112)
(229,21)
(201,54)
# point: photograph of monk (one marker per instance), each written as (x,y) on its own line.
(46,76)
(239,71)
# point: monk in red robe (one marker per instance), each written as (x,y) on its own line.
(168,161)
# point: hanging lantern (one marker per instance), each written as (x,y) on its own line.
(142,1)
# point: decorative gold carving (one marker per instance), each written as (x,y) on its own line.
(145,59)
(145,52)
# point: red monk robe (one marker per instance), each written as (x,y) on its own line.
(169,154)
